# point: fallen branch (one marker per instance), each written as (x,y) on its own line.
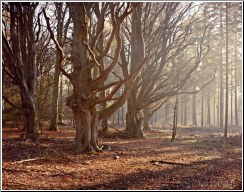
(27,160)
(168,162)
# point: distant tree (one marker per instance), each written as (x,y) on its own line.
(61,30)
(221,95)
(175,119)
(227,74)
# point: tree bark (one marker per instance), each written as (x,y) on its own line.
(30,123)
(134,124)
(146,118)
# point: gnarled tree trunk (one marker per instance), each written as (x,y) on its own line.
(85,58)
(80,100)
(85,124)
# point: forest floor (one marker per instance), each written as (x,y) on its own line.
(198,159)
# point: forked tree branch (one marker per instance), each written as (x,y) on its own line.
(58,47)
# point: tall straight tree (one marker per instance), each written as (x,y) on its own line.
(54,107)
(221,95)
(202,108)
(236,76)
(19,59)
(175,117)
(226,74)
(194,113)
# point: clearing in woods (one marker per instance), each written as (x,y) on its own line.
(190,162)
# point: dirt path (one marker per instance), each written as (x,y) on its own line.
(154,163)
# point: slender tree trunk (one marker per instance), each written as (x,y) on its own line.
(175,119)
(236,101)
(217,107)
(54,107)
(227,75)
(221,103)
(185,110)
(166,111)
(209,109)
(231,99)
(194,114)
(182,110)
(202,109)
(214,111)
(60,105)
(122,113)
(103,93)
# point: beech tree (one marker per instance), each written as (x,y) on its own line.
(19,58)
(85,57)
(164,39)
(62,29)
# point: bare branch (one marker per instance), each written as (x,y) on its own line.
(58,47)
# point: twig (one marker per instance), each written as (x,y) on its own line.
(26,160)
